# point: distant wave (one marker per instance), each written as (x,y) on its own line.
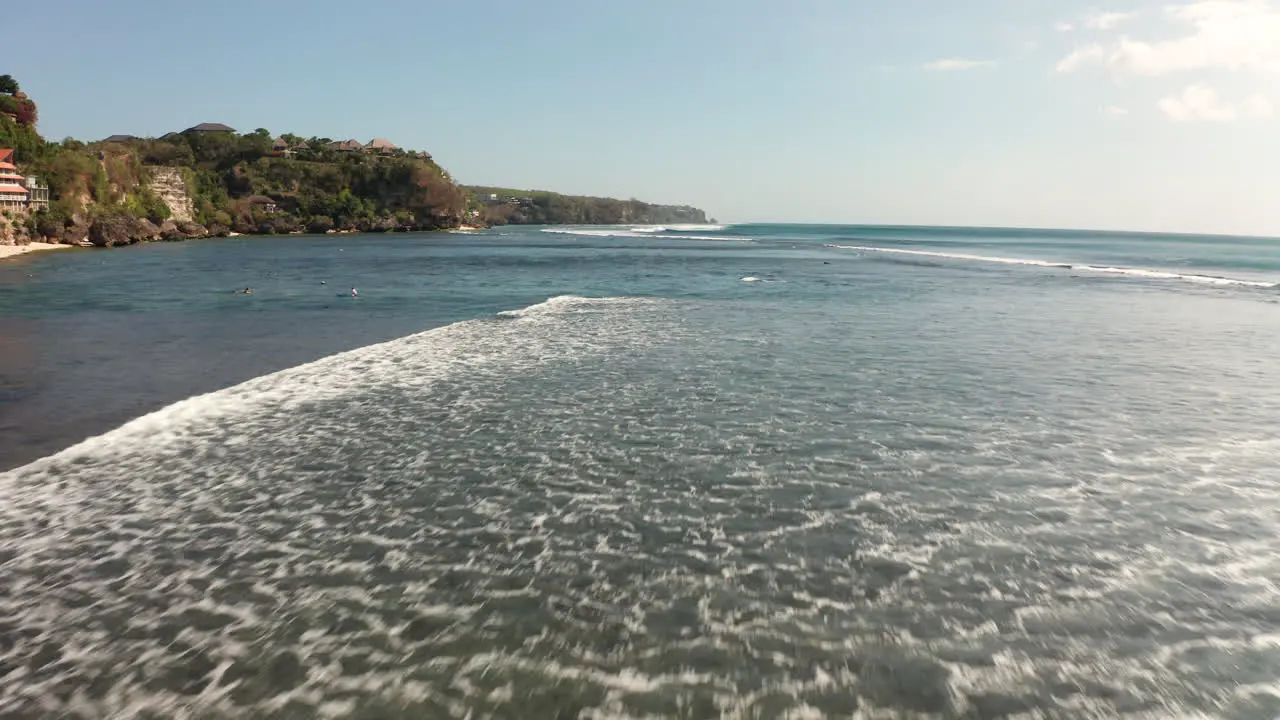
(638,233)
(676,228)
(1132,272)
(695,228)
(1189,277)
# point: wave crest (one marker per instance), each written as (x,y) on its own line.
(1104,269)
(549,331)
(641,233)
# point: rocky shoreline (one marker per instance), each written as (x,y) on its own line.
(120,229)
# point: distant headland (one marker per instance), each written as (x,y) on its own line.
(210,180)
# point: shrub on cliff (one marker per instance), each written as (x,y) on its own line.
(144,203)
(27,145)
(319,224)
(20,106)
(166,153)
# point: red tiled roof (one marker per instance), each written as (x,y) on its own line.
(13,189)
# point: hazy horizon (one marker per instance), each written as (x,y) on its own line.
(1136,116)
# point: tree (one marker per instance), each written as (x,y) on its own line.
(8,85)
(27,145)
(255,145)
(27,114)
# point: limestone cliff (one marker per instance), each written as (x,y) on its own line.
(168,184)
(12,231)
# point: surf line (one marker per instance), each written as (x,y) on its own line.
(1131,272)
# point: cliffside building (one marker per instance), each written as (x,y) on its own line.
(13,190)
(37,194)
(17,193)
(381,145)
(264,203)
(282,146)
(210,128)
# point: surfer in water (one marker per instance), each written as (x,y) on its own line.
(354,293)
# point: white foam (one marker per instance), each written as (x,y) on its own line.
(568,303)
(750,279)
(1133,272)
(590,233)
(1165,275)
(952,256)
(695,228)
(637,233)
(463,345)
(682,227)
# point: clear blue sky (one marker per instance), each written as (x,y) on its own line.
(1152,115)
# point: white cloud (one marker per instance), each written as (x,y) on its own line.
(1217,34)
(1086,55)
(1200,102)
(1064,27)
(953,64)
(1108,20)
(1115,112)
(1257,106)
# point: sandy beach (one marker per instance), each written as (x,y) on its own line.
(7,251)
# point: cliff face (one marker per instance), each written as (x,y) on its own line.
(504,206)
(13,232)
(210,180)
(167,183)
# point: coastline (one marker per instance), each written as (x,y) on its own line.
(12,251)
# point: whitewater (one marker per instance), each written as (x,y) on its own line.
(789,471)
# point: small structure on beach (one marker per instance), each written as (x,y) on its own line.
(347,146)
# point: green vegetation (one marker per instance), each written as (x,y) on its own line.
(27,144)
(507,206)
(239,183)
(107,192)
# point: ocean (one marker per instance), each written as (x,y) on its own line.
(744,471)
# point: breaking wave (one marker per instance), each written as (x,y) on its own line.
(645,232)
(1102,269)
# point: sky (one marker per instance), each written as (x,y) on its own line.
(1129,115)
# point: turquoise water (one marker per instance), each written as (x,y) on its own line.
(746,471)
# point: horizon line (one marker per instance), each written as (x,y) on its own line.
(1030,228)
